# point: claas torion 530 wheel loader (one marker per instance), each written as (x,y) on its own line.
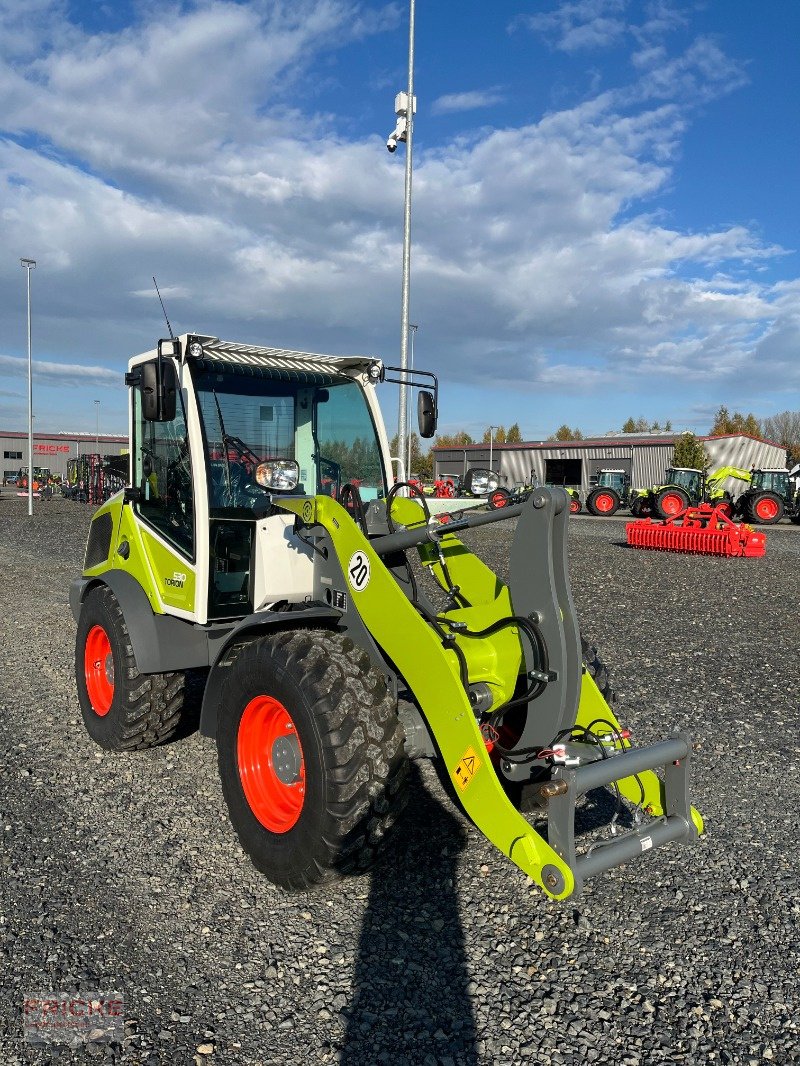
(260,538)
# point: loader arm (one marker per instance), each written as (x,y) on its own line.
(431,656)
(714,481)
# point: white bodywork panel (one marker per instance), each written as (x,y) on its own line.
(293,578)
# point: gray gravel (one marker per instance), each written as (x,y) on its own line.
(122,872)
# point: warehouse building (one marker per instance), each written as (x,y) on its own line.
(52,450)
(576,463)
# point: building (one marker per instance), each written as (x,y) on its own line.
(645,456)
(52,450)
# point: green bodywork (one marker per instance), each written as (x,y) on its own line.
(167,578)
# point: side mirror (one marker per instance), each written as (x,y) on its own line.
(159,386)
(426,413)
(480,482)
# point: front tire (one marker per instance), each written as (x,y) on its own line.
(311,756)
(122,709)
(499,498)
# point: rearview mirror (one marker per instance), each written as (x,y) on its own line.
(426,413)
(480,482)
(159,396)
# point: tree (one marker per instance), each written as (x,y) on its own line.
(668,426)
(656,428)
(565,433)
(689,451)
(421,462)
(725,422)
(514,435)
(453,440)
(498,435)
(784,429)
(629,426)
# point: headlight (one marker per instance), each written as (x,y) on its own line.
(278,475)
(481,482)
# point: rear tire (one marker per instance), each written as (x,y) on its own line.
(348,771)
(670,502)
(765,508)
(575,505)
(122,709)
(603,502)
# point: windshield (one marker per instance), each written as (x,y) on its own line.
(611,479)
(773,480)
(328,430)
(684,479)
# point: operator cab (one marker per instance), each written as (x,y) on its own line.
(683,477)
(613,479)
(217,430)
(775,480)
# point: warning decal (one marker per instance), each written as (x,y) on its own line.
(468,766)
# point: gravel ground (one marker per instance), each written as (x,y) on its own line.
(121,872)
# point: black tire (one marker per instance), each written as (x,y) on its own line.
(144,709)
(351,754)
(498,498)
(597,670)
(603,502)
(636,507)
(765,508)
(575,505)
(670,501)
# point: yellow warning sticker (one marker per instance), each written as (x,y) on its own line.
(308,511)
(468,766)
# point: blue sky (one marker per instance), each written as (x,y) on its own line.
(605,208)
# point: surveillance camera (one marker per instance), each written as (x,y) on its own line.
(391,144)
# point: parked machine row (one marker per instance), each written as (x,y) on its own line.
(770,494)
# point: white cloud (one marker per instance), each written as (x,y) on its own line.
(580,25)
(175,148)
(60,373)
(467,101)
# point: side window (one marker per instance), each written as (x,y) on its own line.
(163,473)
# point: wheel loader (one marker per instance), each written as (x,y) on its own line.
(342,631)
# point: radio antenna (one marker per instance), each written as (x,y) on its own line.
(163,308)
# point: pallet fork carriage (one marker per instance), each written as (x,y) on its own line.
(259,539)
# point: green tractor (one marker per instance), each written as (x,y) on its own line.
(683,487)
(769,497)
(343,631)
(612,491)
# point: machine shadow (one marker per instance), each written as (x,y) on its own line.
(411,998)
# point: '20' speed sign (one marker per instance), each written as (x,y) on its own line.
(358,571)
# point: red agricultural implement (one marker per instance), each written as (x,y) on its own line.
(701,530)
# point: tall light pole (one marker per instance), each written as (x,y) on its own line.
(404,106)
(491,436)
(413,329)
(29,265)
(97,427)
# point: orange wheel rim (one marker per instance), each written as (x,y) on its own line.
(271,764)
(604,502)
(766,508)
(98,668)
